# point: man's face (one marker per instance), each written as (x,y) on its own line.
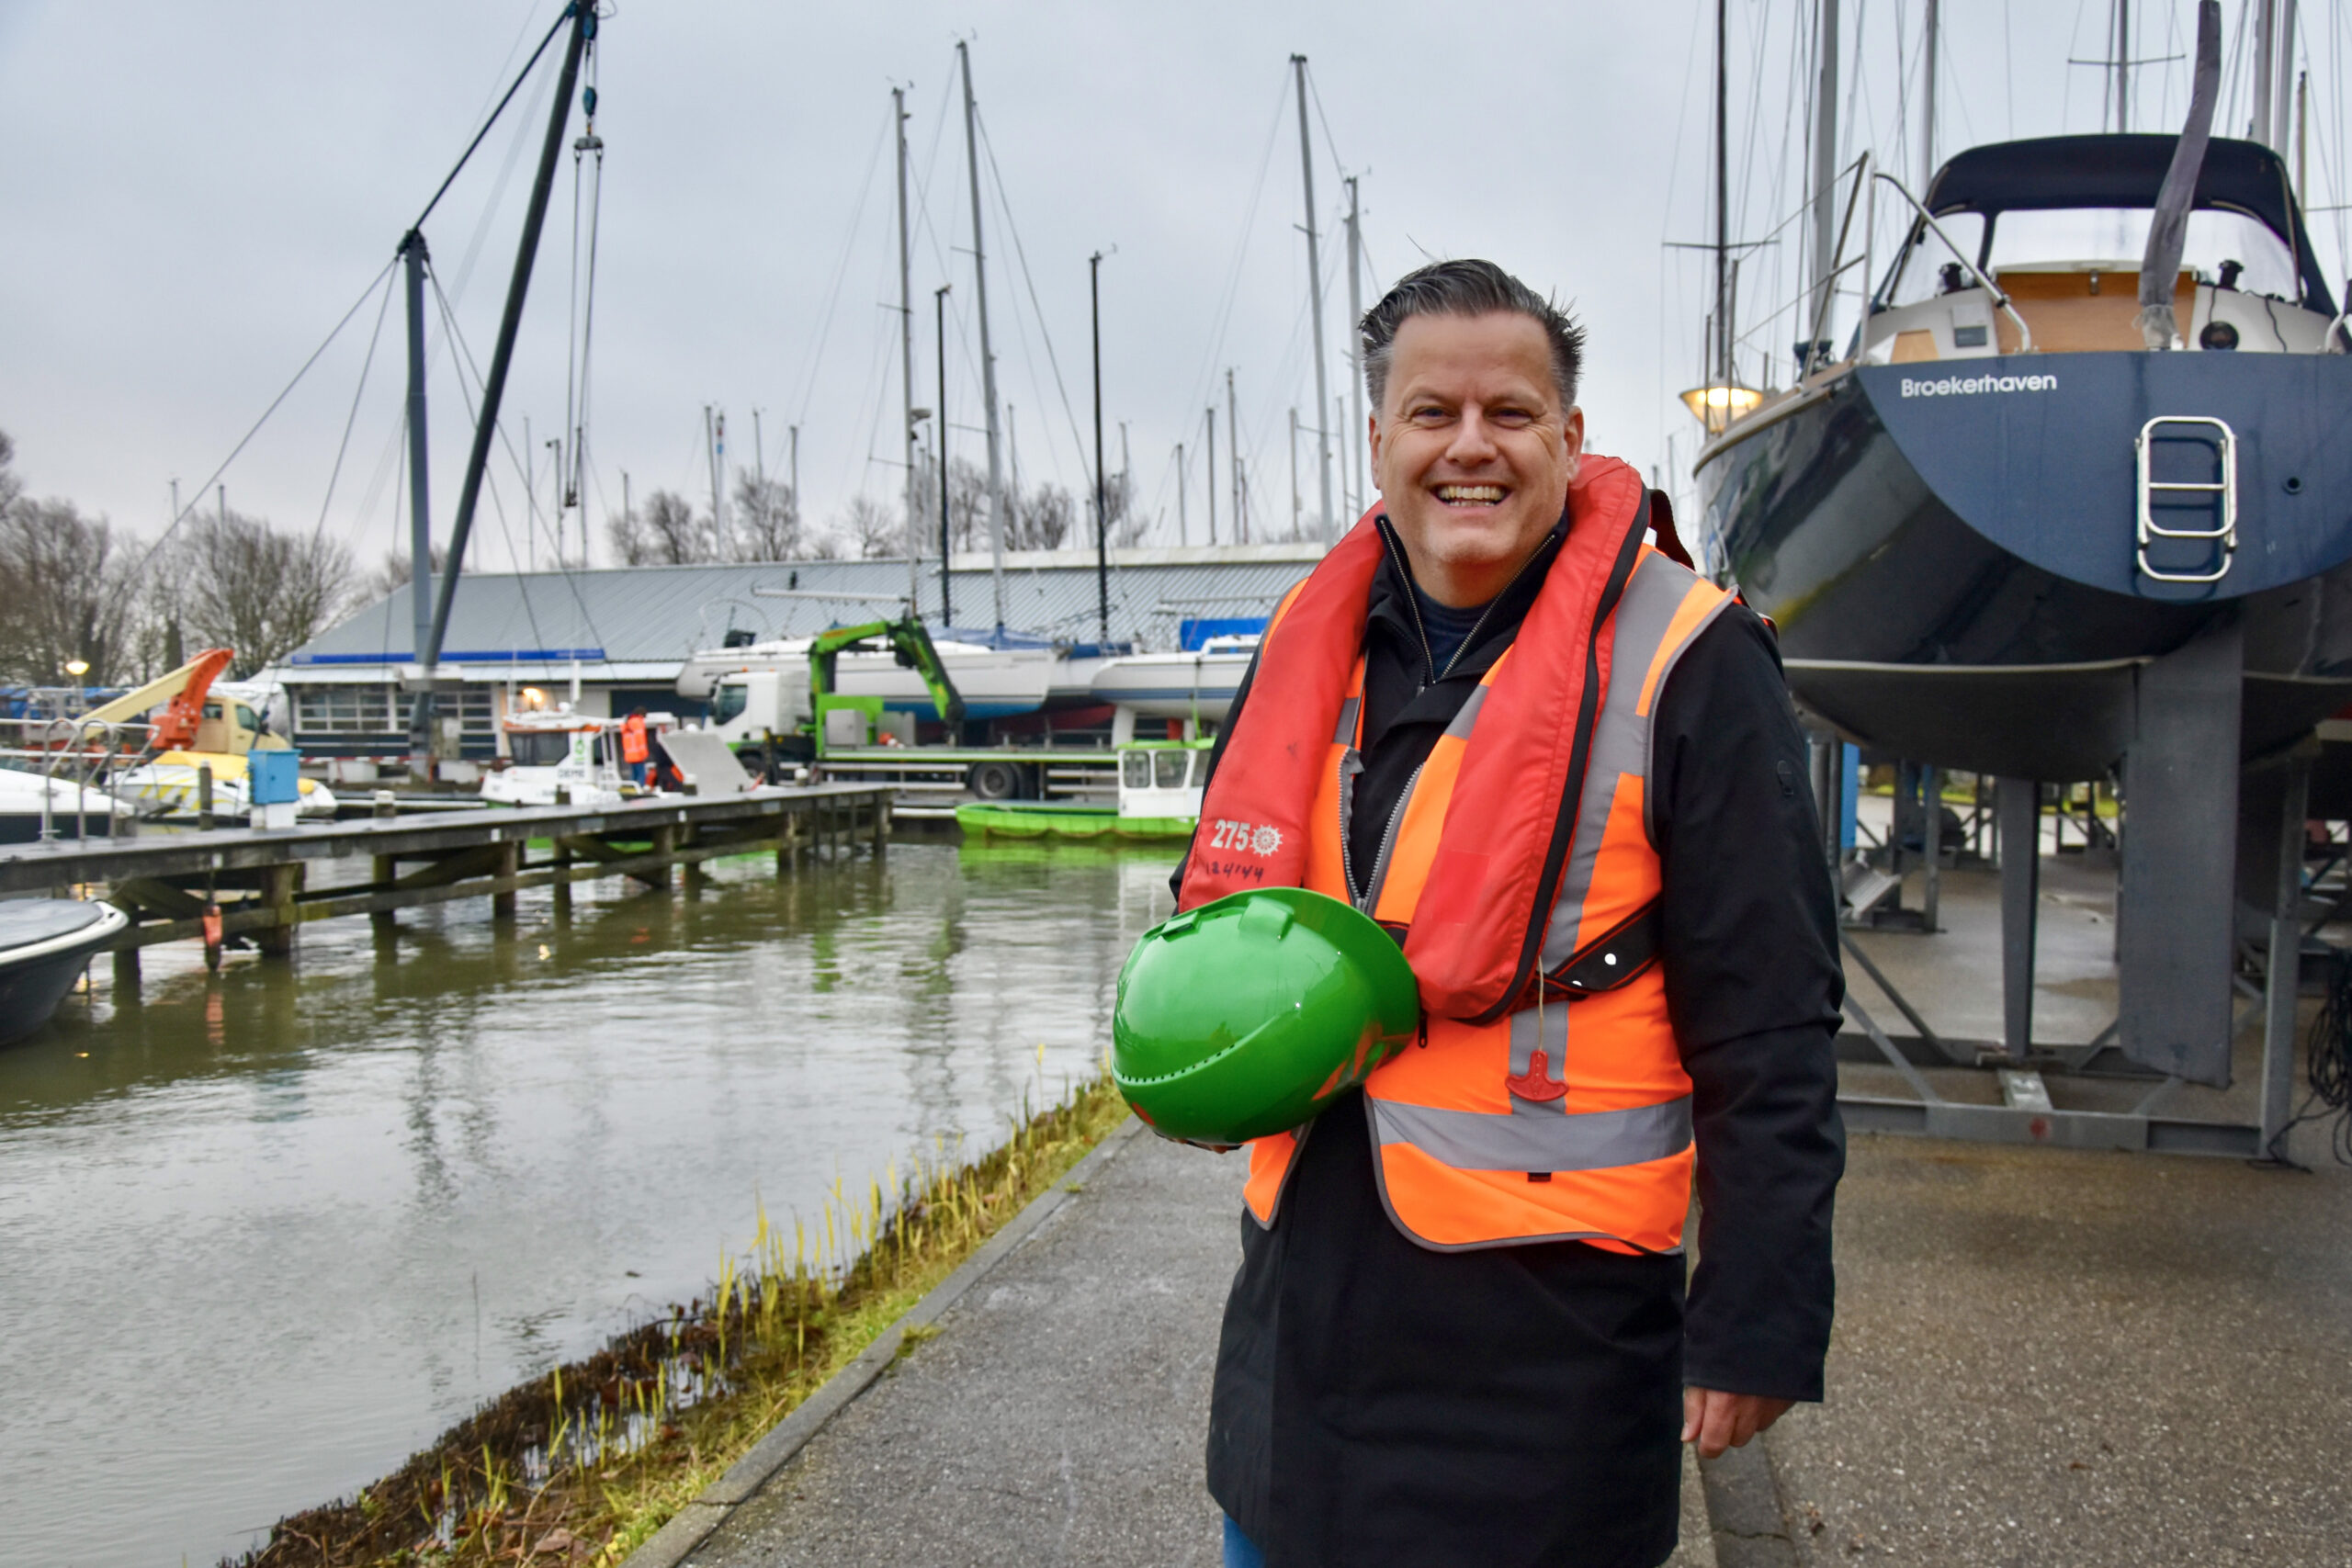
(1472,449)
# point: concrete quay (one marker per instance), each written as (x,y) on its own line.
(2044,1354)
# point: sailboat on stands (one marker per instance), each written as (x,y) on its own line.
(2074,503)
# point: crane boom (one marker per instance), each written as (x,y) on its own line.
(184,688)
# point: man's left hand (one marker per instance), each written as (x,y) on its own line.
(1715,1420)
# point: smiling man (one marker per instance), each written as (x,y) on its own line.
(1563,770)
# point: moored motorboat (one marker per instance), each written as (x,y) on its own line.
(30,803)
(44,943)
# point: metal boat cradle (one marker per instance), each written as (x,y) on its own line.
(2004,536)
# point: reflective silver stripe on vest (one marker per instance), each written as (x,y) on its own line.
(1534,1140)
(1459,728)
(1345,735)
(1621,740)
(1465,717)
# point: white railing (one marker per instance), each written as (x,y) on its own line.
(79,754)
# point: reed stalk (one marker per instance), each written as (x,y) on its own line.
(606,1450)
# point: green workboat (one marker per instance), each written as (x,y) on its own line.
(1159,799)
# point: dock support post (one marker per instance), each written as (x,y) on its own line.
(665,843)
(2285,965)
(2019,803)
(382,872)
(510,863)
(1931,842)
(696,879)
(2179,887)
(278,885)
(126,976)
(787,832)
(880,804)
(562,884)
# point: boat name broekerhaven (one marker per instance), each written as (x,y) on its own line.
(1960,386)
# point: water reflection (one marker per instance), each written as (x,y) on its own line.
(265,1233)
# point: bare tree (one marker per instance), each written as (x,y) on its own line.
(767,520)
(65,591)
(1040,519)
(393,574)
(242,584)
(666,531)
(968,505)
(870,530)
(1127,528)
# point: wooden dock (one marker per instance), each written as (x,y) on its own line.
(210,885)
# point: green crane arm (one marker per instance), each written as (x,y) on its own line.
(909,641)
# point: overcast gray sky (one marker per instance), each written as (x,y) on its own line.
(195,194)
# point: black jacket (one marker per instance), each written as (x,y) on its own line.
(1301,1440)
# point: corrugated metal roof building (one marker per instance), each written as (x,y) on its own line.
(624,632)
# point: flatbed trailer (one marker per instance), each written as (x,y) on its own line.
(937,777)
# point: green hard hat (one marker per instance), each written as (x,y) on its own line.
(1249,1015)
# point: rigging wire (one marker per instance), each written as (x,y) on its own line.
(463,158)
(1021,253)
(242,442)
(498,508)
(1204,383)
(522,139)
(579,321)
(840,270)
(353,417)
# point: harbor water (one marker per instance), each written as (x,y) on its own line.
(265,1233)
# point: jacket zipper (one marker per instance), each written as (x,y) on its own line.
(1412,603)
(1387,841)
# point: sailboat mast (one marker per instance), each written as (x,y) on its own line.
(493,391)
(2283,92)
(1825,179)
(1102,514)
(1928,100)
(1233,436)
(1209,473)
(2122,66)
(2265,67)
(1315,297)
(1355,340)
(906,360)
(1722,199)
(420,509)
(987,355)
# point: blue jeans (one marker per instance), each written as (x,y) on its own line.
(1240,1551)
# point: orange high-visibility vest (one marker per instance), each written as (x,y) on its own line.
(633,746)
(1549,1101)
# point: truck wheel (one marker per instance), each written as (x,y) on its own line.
(994,781)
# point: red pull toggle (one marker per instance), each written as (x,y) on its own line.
(1535,1083)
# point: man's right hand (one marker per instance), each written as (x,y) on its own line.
(1715,1420)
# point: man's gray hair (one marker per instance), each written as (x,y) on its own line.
(1467,289)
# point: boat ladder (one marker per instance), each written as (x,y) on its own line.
(2224,532)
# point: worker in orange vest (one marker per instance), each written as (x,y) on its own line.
(1562,769)
(635,752)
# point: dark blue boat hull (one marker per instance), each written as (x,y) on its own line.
(1952,563)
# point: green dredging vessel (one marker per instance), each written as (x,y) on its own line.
(1160,800)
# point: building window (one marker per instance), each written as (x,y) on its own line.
(344,710)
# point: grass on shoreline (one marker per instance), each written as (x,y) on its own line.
(584,1466)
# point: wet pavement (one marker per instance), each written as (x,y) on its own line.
(2042,1356)
(2052,1357)
(1060,1414)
